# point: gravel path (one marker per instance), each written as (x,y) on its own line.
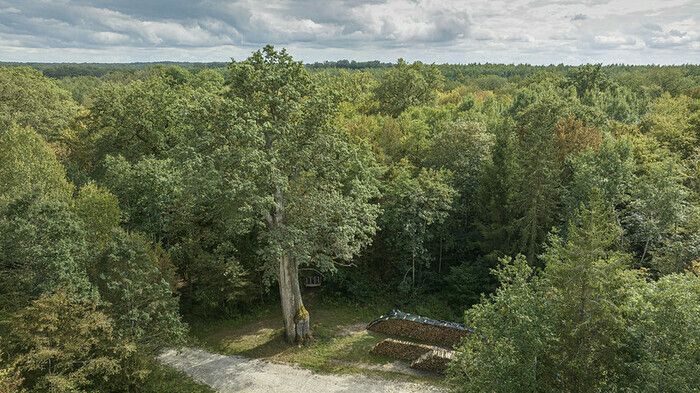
(228,374)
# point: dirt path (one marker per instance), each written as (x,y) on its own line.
(228,374)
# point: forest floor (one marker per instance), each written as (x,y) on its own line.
(242,375)
(341,344)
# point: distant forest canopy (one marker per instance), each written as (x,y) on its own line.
(452,72)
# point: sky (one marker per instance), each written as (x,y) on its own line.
(458,31)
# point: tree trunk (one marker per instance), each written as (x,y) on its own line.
(644,254)
(440,257)
(413,269)
(532,239)
(296,318)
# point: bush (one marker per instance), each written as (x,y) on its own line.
(63,343)
(215,282)
(10,381)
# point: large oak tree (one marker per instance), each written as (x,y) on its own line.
(315,186)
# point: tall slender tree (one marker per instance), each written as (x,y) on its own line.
(536,113)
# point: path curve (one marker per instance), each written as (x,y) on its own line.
(228,374)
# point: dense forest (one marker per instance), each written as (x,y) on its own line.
(553,209)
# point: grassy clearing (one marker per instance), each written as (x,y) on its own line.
(341,343)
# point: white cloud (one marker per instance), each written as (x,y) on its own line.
(10,10)
(613,41)
(412,21)
(536,31)
(110,38)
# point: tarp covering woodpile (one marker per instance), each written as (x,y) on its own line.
(398,323)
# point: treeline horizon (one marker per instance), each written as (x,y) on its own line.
(60,70)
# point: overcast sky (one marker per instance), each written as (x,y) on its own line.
(459,31)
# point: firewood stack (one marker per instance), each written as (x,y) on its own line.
(433,340)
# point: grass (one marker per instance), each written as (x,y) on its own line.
(341,344)
(167,379)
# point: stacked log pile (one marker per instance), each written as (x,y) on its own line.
(441,335)
(404,350)
(435,360)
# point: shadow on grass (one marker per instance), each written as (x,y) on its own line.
(341,344)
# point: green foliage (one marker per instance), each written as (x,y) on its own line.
(414,200)
(149,116)
(668,120)
(586,323)
(137,294)
(491,82)
(10,380)
(28,165)
(466,283)
(82,88)
(314,186)
(610,170)
(463,147)
(354,90)
(670,341)
(536,113)
(217,282)
(43,247)
(29,99)
(148,192)
(435,171)
(620,103)
(497,195)
(504,353)
(404,85)
(136,119)
(660,208)
(194,195)
(99,211)
(593,305)
(62,343)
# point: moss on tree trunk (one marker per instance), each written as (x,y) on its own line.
(296,319)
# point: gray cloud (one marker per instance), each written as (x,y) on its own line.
(537,31)
(212,23)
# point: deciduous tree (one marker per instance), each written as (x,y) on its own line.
(315,187)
